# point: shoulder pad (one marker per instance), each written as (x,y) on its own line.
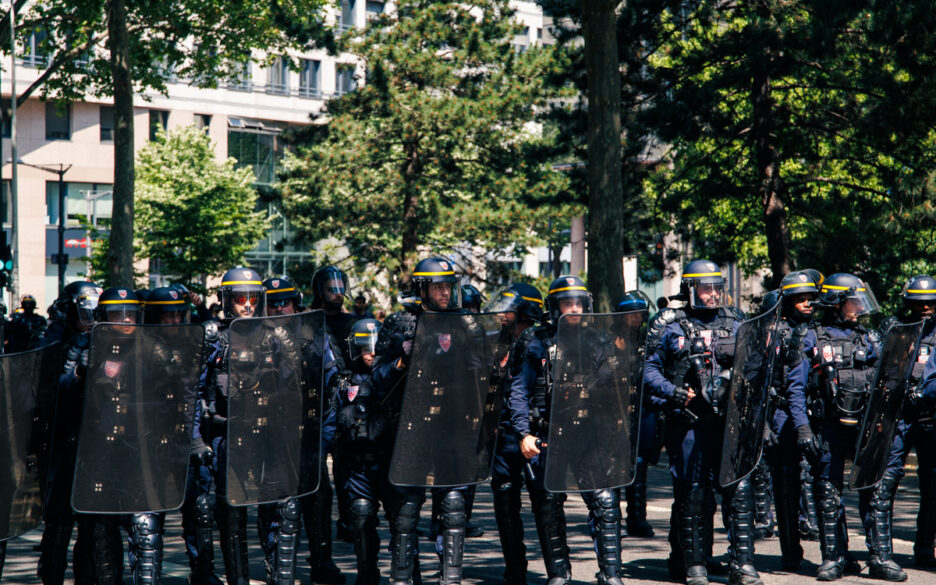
(664,318)
(211,330)
(874,336)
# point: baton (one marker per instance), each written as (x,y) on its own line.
(539,445)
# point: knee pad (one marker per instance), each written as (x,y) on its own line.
(453,509)
(606,506)
(363,513)
(203,511)
(145,531)
(407,516)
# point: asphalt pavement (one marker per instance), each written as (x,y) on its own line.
(644,560)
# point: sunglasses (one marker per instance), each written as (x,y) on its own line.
(279,304)
(245,300)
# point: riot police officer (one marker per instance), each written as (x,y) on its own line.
(844,359)
(915,429)
(529,399)
(26,327)
(521,308)
(242,296)
(471,298)
(74,309)
(790,419)
(684,369)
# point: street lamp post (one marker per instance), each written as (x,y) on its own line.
(60,171)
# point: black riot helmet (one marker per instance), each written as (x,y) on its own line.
(634,300)
(851,295)
(142,294)
(363,337)
(77,302)
(241,293)
(520,298)
(471,298)
(919,295)
(703,285)
(436,277)
(281,291)
(28,303)
(165,305)
(567,287)
(815,276)
(329,288)
(770,300)
(118,305)
(799,282)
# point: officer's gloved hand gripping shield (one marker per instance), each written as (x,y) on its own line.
(137,418)
(595,401)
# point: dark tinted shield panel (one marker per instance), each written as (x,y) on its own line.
(595,401)
(137,418)
(28,382)
(451,401)
(746,411)
(879,422)
(274,407)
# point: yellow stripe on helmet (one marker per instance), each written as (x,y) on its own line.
(700,274)
(533,299)
(568,288)
(120,302)
(280,290)
(923,290)
(179,302)
(448,273)
(836,287)
(365,334)
(232,282)
(798,284)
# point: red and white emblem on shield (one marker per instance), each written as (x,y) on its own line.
(681,342)
(122,293)
(352,393)
(174,295)
(111,369)
(827,353)
(923,356)
(445,341)
(544,362)
(276,283)
(707,337)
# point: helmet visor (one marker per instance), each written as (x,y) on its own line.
(86,303)
(708,295)
(440,296)
(860,301)
(503,301)
(334,285)
(122,313)
(363,343)
(241,302)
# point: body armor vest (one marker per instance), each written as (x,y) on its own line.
(844,374)
(918,409)
(699,342)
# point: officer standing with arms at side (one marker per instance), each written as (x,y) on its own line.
(74,308)
(844,360)
(790,420)
(242,296)
(521,310)
(529,400)
(915,429)
(692,353)
(26,327)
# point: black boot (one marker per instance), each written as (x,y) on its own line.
(741,518)
(452,518)
(764,523)
(147,543)
(831,532)
(636,493)
(53,555)
(923,546)
(786,492)
(282,570)
(690,525)
(403,544)
(366,541)
(471,530)
(605,510)
(232,528)
(203,569)
(316,513)
(510,529)
(881,564)
(107,548)
(551,528)
(809,523)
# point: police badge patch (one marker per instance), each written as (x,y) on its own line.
(445,341)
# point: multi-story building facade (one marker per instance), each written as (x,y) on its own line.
(244,120)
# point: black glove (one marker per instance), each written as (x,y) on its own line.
(201,452)
(681,395)
(771,439)
(807,442)
(81,368)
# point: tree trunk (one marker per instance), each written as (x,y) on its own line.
(412,167)
(605,191)
(120,249)
(766,155)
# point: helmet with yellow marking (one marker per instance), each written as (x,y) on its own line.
(850,294)
(118,305)
(520,298)
(920,288)
(703,284)
(435,284)
(241,293)
(567,288)
(166,305)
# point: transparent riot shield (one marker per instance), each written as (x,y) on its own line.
(28,384)
(275,389)
(882,410)
(137,418)
(451,401)
(756,347)
(594,411)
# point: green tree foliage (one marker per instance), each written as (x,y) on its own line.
(194,214)
(799,133)
(437,150)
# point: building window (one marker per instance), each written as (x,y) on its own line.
(85,204)
(159,120)
(257,146)
(244,78)
(344,79)
(309,78)
(203,122)
(107,123)
(58,121)
(347,15)
(6,209)
(374,8)
(34,49)
(278,77)
(6,110)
